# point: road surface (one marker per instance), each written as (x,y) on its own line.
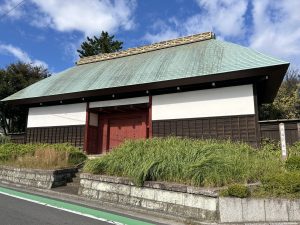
(18,208)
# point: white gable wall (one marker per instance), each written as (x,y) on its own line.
(227,101)
(58,115)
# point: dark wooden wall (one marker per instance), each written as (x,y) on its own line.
(93,140)
(240,128)
(270,130)
(19,138)
(71,134)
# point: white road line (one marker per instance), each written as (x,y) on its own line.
(63,209)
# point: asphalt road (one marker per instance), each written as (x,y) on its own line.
(15,211)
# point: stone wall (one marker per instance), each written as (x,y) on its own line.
(174,199)
(45,179)
(189,202)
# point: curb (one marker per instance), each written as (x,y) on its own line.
(127,211)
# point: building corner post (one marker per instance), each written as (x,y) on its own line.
(256,111)
(86,130)
(150,117)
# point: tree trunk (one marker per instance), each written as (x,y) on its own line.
(4,124)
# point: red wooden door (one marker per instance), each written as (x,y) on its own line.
(125,128)
(117,127)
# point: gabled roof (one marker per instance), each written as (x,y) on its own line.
(206,57)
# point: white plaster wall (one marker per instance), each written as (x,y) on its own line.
(227,101)
(126,101)
(58,115)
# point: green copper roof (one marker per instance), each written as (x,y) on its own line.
(189,60)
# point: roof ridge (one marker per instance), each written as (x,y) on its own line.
(148,48)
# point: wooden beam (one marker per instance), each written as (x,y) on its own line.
(86,132)
(150,117)
(256,110)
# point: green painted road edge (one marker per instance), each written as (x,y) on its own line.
(105,216)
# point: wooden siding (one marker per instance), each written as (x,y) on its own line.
(270,130)
(92,147)
(19,138)
(71,134)
(238,128)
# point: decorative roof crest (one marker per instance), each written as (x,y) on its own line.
(147,48)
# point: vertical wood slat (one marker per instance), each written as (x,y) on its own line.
(269,130)
(246,130)
(54,135)
(232,127)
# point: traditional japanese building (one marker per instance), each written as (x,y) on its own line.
(194,86)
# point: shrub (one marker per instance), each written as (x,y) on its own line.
(295,149)
(293,163)
(281,184)
(270,145)
(236,190)
(76,157)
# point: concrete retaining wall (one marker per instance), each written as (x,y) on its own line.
(45,179)
(174,199)
(259,210)
(189,202)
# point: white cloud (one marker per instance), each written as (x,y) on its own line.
(86,16)
(165,32)
(20,55)
(225,17)
(161,36)
(70,50)
(276,29)
(89,17)
(7,6)
(271,27)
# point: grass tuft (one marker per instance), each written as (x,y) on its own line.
(40,156)
(194,162)
(208,163)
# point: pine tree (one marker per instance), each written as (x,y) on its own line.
(98,45)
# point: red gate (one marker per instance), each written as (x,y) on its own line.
(115,128)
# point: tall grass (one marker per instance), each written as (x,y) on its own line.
(43,156)
(47,158)
(193,162)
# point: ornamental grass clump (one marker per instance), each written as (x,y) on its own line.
(209,163)
(47,158)
(41,156)
(10,151)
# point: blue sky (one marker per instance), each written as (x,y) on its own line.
(48,32)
